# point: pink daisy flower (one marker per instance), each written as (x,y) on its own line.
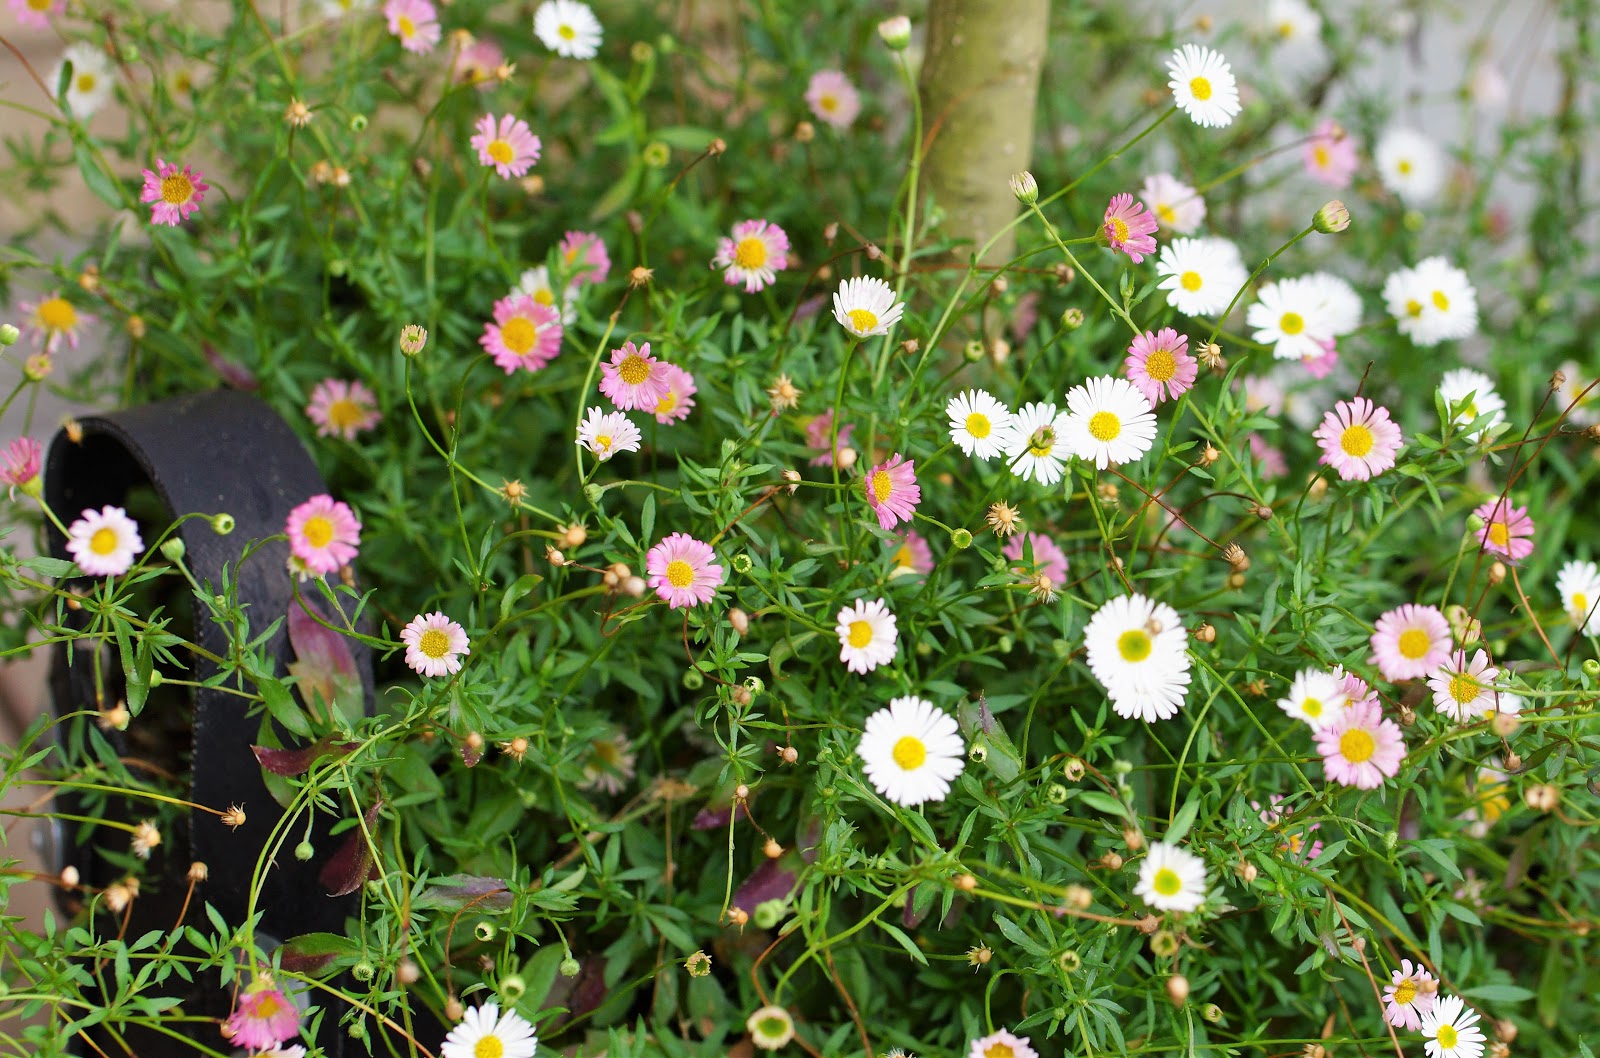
(683,571)
(324,534)
(415,22)
(1330,155)
(1408,997)
(343,409)
(1001,1044)
(104,543)
(524,333)
(479,61)
(53,318)
(36,14)
(1160,366)
(1358,439)
(1322,365)
(634,380)
(754,255)
(1464,690)
(892,490)
(1356,690)
(174,193)
(22,461)
(262,1017)
(435,644)
(1411,642)
(1505,534)
(1273,465)
(585,256)
(1048,558)
(511,147)
(1276,817)
(911,554)
(1129,228)
(832,98)
(678,400)
(818,432)
(1361,748)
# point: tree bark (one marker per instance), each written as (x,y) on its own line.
(980,85)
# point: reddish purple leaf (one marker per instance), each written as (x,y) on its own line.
(291,762)
(314,954)
(236,375)
(458,891)
(352,865)
(713,816)
(324,666)
(773,880)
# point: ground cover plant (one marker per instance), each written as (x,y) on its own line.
(1165,624)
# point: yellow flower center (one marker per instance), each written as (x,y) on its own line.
(104,541)
(750,253)
(1356,440)
(1404,166)
(1499,534)
(346,415)
(909,753)
(665,405)
(1134,644)
(1413,307)
(1285,30)
(1168,215)
(1291,323)
(1580,603)
(1167,882)
(1357,746)
(518,334)
(39,5)
(1104,426)
(1414,643)
(1447,1036)
(1440,301)
(488,1047)
(544,296)
(1161,365)
(679,573)
(1311,706)
(1468,413)
(902,556)
(176,189)
(1463,688)
(501,152)
(860,634)
(1190,281)
(318,531)
(57,314)
(566,32)
(266,1007)
(862,320)
(882,486)
(1405,992)
(1200,88)
(86,82)
(828,101)
(602,442)
(1321,156)
(434,643)
(408,28)
(1119,229)
(634,369)
(999,1050)
(978,425)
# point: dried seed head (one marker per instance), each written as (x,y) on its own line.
(1234,555)
(574,535)
(741,695)
(873,252)
(474,741)
(1211,356)
(1542,797)
(634,586)
(1557,380)
(640,276)
(1318,487)
(805,132)
(1078,897)
(1263,512)
(1206,633)
(789,755)
(847,457)
(1497,573)
(554,557)
(116,717)
(89,278)
(615,574)
(69,877)
(118,896)
(909,347)
(1506,1029)
(1041,588)
(1111,861)
(782,394)
(830,232)
(1256,688)
(718,146)
(1002,519)
(979,956)
(1408,716)
(453,1010)
(1512,760)
(738,916)
(234,817)
(297,115)
(1132,838)
(1209,455)
(1064,274)
(145,838)
(516,749)
(1246,871)
(966,883)
(772,850)
(1073,769)
(698,964)
(793,478)
(198,872)
(1503,724)
(1106,492)
(741,793)
(1149,924)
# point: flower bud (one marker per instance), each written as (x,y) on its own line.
(484,931)
(304,851)
(1056,794)
(1211,1012)
(740,621)
(172,549)
(973,351)
(1333,217)
(453,1010)
(693,679)
(222,524)
(1591,668)
(1025,187)
(363,971)
(9,334)
(37,367)
(966,883)
(1164,944)
(513,987)
(770,912)
(1178,989)
(569,967)
(895,32)
(742,563)
(1070,961)
(960,539)
(1072,319)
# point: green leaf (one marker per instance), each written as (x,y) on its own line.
(280,704)
(685,137)
(94,178)
(518,590)
(55,568)
(1499,993)
(905,942)
(1183,820)
(647,518)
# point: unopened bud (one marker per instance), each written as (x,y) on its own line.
(172,549)
(1211,1012)
(1246,871)
(222,524)
(1164,944)
(569,967)
(772,850)
(966,883)
(1079,897)
(960,539)
(1072,319)
(1056,794)
(304,851)
(895,32)
(1025,187)
(9,334)
(1333,217)
(1497,573)
(739,620)
(1178,989)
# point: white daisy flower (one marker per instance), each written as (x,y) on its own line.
(1315,697)
(1586,410)
(1288,316)
(911,751)
(867,635)
(103,543)
(535,283)
(1339,304)
(1171,878)
(1203,86)
(1109,422)
(1470,395)
(866,305)
(1294,28)
(1200,276)
(1451,1031)
(1433,302)
(1138,650)
(568,28)
(340,8)
(1579,586)
(979,424)
(92,79)
(1411,165)
(484,1031)
(1036,448)
(607,433)
(1178,207)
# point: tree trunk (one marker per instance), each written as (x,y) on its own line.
(979,84)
